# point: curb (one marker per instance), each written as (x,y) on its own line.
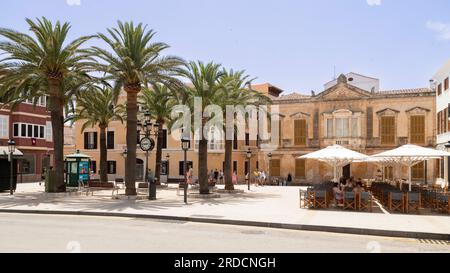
(315,228)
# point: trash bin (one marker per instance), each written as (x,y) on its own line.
(50,181)
(152,188)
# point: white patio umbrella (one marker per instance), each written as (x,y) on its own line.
(336,156)
(410,155)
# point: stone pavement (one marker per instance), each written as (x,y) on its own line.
(276,207)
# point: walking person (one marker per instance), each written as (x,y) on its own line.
(221,175)
(288,180)
(235,178)
(216,176)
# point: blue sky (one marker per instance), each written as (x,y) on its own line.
(293,44)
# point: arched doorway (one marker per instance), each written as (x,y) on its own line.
(139,169)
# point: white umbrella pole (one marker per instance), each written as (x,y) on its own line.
(409,177)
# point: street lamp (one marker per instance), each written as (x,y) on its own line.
(12,149)
(167,166)
(270,159)
(249,156)
(185,143)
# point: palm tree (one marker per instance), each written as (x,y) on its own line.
(236,92)
(158,101)
(134,61)
(204,84)
(98,107)
(44,65)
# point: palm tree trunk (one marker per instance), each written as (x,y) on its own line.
(228,172)
(57,118)
(203,166)
(130,166)
(159,152)
(103,155)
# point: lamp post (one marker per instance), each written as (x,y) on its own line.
(147,144)
(269,173)
(249,156)
(167,166)
(185,143)
(12,149)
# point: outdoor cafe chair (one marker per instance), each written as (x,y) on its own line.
(308,201)
(349,200)
(396,201)
(413,201)
(320,199)
(442,202)
(365,201)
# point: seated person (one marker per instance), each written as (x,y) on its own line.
(358,189)
(338,194)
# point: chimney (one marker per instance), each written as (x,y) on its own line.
(432,85)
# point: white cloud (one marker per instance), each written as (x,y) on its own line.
(442,29)
(73,2)
(374,2)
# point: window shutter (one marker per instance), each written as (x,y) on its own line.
(300,168)
(95,140)
(86,141)
(275,167)
(110,140)
(164,139)
(300,132)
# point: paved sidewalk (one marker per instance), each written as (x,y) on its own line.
(263,206)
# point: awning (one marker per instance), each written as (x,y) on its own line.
(4,152)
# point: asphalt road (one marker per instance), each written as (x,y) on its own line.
(56,233)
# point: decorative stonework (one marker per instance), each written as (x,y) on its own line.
(418,111)
(388,112)
(300,115)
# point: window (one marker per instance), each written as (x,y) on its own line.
(4,127)
(235,166)
(446,85)
(93,166)
(342,127)
(164,139)
(439,89)
(36,131)
(165,168)
(110,140)
(90,140)
(387,130)
(355,127)
(444,121)
(246,167)
(418,171)
(235,142)
(417,129)
(28,130)
(257,164)
(330,133)
(300,133)
(247,139)
(275,167)
(23,130)
(27,164)
(16,130)
(389,173)
(48,131)
(189,165)
(111,167)
(300,168)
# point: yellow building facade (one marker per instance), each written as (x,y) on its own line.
(346,113)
